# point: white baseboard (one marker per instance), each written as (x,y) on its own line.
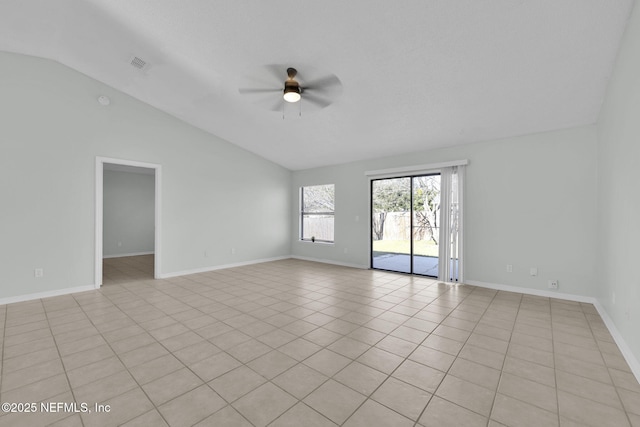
(46,294)
(632,360)
(628,355)
(129,254)
(531,291)
(328,261)
(219,267)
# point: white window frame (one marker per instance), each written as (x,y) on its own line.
(302,214)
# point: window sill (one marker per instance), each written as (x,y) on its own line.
(317,242)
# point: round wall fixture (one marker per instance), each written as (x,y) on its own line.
(104,100)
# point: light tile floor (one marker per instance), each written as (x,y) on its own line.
(295,343)
(127,269)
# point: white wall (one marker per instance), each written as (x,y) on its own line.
(530,202)
(619,191)
(128,213)
(215,196)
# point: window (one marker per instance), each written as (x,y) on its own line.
(317,213)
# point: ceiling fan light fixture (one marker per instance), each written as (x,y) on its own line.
(318,92)
(292,93)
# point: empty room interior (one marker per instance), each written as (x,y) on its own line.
(320,213)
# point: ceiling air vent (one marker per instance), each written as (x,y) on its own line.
(139,63)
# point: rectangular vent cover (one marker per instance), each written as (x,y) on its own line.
(139,63)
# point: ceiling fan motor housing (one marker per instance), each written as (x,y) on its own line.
(292,89)
(291,86)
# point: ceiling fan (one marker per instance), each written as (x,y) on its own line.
(318,92)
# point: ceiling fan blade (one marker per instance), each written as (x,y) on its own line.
(314,99)
(277,71)
(322,83)
(277,106)
(245,91)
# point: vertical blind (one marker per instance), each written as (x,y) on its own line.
(451,260)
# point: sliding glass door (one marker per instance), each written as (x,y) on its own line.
(405,224)
(426,224)
(391,224)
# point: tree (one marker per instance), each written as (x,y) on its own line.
(389,195)
(394,195)
(426,205)
(319,198)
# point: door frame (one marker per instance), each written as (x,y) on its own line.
(411,226)
(99,213)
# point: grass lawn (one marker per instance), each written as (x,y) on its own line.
(420,247)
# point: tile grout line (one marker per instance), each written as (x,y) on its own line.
(553,354)
(421,342)
(4,334)
(495,395)
(325,347)
(553,351)
(171,353)
(185,366)
(456,357)
(359,324)
(119,359)
(355,360)
(389,375)
(73,395)
(615,387)
(320,291)
(18,356)
(448,291)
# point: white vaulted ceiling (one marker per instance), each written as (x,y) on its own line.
(416,74)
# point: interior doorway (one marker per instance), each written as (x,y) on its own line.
(405,224)
(127,220)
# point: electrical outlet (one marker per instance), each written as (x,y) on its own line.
(233,251)
(553,284)
(509,268)
(533,271)
(38,272)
